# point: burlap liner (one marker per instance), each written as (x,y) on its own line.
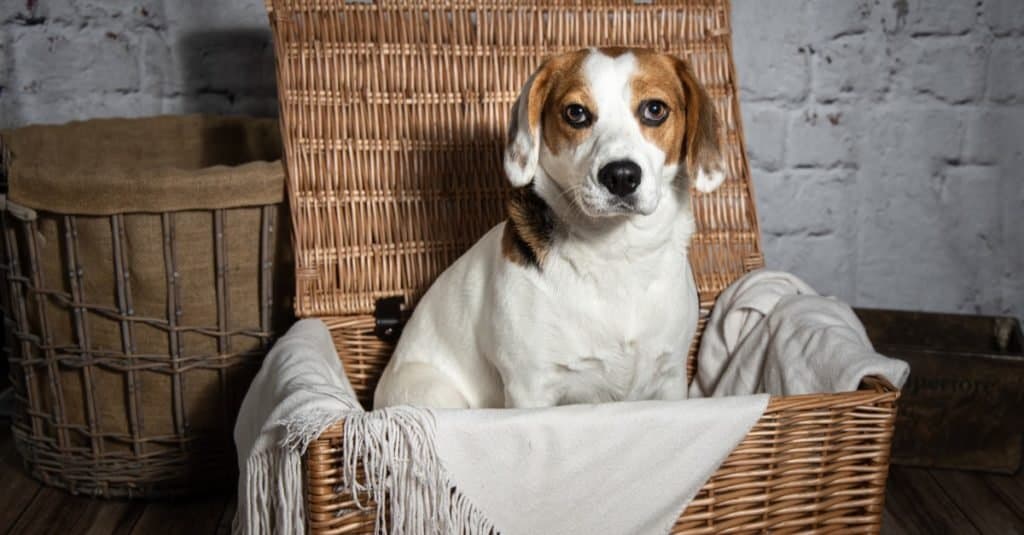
(157,164)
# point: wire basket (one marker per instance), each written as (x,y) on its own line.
(140,290)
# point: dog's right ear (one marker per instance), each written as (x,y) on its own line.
(523,150)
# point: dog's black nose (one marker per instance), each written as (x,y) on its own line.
(621,177)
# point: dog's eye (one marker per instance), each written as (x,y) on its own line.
(653,112)
(577,116)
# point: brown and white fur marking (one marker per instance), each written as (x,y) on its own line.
(585,293)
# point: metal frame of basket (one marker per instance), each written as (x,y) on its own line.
(118,397)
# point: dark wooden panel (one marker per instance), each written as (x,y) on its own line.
(17,488)
(1010,490)
(890,525)
(30,507)
(182,516)
(53,511)
(983,507)
(103,517)
(959,408)
(918,505)
(229,515)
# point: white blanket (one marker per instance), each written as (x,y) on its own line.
(612,468)
(299,391)
(770,332)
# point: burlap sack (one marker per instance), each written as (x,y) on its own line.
(141,294)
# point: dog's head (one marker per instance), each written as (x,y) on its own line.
(611,128)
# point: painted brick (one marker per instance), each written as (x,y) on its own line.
(766,129)
(1006,70)
(772,48)
(821,137)
(835,18)
(929,17)
(822,261)
(806,201)
(1004,16)
(969,197)
(849,68)
(932,72)
(994,136)
(92,60)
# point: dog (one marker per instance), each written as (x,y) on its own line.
(584,294)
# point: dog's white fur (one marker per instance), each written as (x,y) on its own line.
(611,312)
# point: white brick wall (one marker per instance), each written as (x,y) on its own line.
(887,142)
(886,136)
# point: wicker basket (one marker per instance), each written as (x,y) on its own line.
(141,284)
(394,117)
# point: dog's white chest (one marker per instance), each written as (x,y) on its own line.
(640,328)
(618,333)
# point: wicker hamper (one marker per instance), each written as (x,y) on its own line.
(394,116)
(144,272)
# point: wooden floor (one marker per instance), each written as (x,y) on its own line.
(918,501)
(27,508)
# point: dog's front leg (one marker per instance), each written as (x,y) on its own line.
(673,386)
(419,384)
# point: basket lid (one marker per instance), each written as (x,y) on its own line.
(394,117)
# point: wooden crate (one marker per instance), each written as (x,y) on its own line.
(960,408)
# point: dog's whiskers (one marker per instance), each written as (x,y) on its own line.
(571,198)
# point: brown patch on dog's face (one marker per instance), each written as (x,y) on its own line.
(525,132)
(615,51)
(551,82)
(566,86)
(656,79)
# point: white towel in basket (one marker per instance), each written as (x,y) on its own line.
(770,332)
(617,468)
(299,391)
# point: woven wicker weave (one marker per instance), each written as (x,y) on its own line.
(394,115)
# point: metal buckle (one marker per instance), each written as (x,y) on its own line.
(388,318)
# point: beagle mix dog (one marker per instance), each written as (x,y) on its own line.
(584,294)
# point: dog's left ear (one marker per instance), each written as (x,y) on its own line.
(704,162)
(523,150)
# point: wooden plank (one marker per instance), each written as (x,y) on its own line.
(1010,490)
(891,525)
(228,517)
(984,507)
(918,505)
(30,507)
(16,486)
(52,511)
(978,502)
(197,516)
(109,517)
